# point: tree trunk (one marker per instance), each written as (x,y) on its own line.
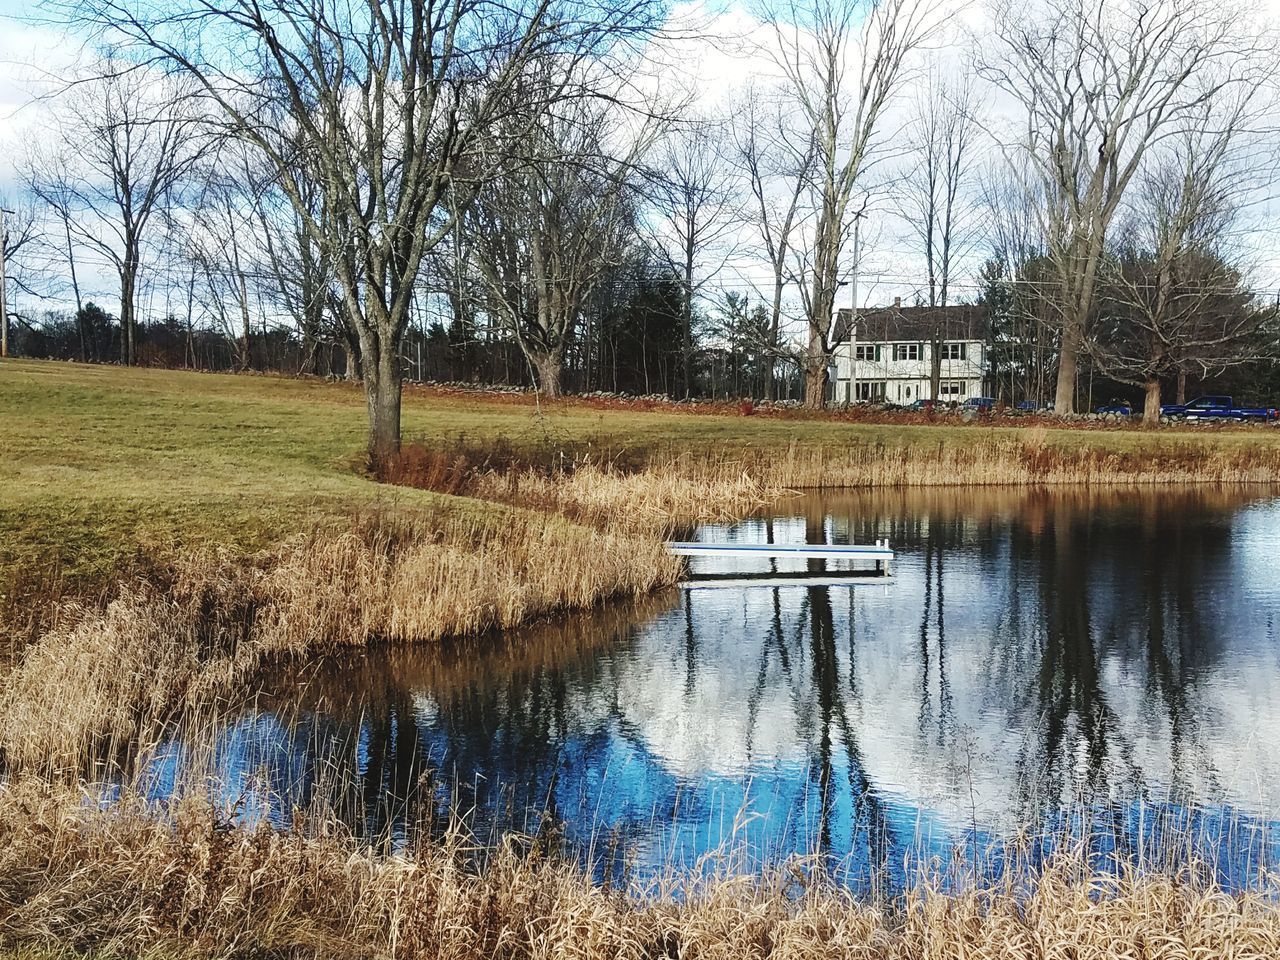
(246,359)
(1182,387)
(548,366)
(1064,397)
(771,350)
(815,375)
(75,288)
(686,331)
(935,369)
(1151,407)
(128,355)
(382,395)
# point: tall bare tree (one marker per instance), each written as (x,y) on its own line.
(385,108)
(125,139)
(1099,83)
(19,232)
(697,211)
(224,243)
(545,233)
(843,61)
(46,174)
(1173,294)
(776,162)
(1020,321)
(936,195)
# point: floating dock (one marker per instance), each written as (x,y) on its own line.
(703,581)
(880,553)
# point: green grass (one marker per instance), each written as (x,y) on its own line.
(102,464)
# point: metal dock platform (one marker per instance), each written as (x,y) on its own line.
(880,553)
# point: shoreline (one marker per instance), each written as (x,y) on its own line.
(204,601)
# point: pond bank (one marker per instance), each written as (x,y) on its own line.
(202,527)
(129,881)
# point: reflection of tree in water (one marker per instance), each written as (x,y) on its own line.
(1072,579)
(1123,584)
(1075,718)
(1072,585)
(936,720)
(353,734)
(868,826)
(1175,562)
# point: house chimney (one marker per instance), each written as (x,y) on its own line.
(897,303)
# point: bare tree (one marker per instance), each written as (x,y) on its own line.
(776,162)
(380,106)
(1100,82)
(19,234)
(843,61)
(1173,299)
(125,140)
(46,174)
(935,194)
(545,233)
(223,241)
(697,211)
(299,276)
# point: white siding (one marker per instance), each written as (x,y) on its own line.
(908,380)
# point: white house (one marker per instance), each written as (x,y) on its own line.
(888,354)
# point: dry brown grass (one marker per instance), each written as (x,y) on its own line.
(656,501)
(566,539)
(114,675)
(129,881)
(1026,459)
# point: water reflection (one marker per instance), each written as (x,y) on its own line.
(1034,653)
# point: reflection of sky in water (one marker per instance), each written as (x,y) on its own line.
(1032,653)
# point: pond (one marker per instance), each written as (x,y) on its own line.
(1051,663)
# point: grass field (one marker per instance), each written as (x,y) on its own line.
(253,492)
(101,464)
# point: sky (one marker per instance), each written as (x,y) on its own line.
(725,54)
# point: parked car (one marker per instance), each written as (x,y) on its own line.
(1121,407)
(981,404)
(1218,408)
(922,404)
(1201,403)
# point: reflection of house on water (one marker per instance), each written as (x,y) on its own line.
(1033,651)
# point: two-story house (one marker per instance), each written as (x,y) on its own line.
(888,354)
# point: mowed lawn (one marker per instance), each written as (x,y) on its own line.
(99,464)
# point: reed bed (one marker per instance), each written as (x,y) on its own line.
(131,880)
(565,540)
(655,500)
(680,479)
(114,674)
(1026,459)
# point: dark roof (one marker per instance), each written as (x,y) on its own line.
(962,321)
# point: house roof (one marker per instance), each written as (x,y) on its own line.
(964,321)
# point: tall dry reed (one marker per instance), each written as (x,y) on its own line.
(129,881)
(656,500)
(1027,458)
(113,675)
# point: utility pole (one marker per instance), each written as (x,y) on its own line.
(853,312)
(4,303)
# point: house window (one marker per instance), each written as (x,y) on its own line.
(906,351)
(870,389)
(867,351)
(955,351)
(951,388)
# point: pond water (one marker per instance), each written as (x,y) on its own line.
(1104,662)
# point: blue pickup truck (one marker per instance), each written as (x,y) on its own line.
(1217,408)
